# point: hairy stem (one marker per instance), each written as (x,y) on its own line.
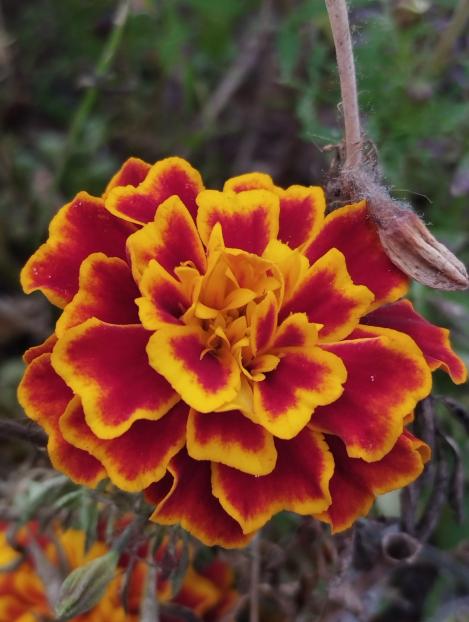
(338,17)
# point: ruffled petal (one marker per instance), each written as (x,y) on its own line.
(42,348)
(301,214)
(350,230)
(432,340)
(106,291)
(106,365)
(299,483)
(222,575)
(249,181)
(356,483)
(191,504)
(387,376)
(15,610)
(328,296)
(301,207)
(42,393)
(164,298)
(80,466)
(197,594)
(131,173)
(172,176)
(263,324)
(80,228)
(249,220)
(232,439)
(204,379)
(290,263)
(171,239)
(137,458)
(304,379)
(44,397)
(296,332)
(157,491)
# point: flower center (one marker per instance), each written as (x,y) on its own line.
(225,303)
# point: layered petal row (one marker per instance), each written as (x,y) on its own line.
(80,228)
(230,353)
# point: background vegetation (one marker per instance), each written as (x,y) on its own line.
(233,86)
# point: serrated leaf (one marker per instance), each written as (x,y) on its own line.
(89,520)
(68,498)
(40,494)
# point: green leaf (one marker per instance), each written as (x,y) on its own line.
(89,516)
(41,494)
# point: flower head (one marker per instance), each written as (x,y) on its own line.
(233,353)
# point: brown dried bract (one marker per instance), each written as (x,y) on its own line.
(413,249)
(406,239)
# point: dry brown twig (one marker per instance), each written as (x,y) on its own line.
(23,430)
(338,17)
(249,50)
(254,580)
(404,236)
(456,26)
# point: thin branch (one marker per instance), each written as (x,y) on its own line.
(27,431)
(254,581)
(104,63)
(449,36)
(5,52)
(249,49)
(338,17)
(149,605)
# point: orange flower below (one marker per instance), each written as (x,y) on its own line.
(208,592)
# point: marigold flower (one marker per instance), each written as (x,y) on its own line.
(208,591)
(234,353)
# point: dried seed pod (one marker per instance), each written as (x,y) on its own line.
(84,586)
(400,547)
(406,239)
(413,249)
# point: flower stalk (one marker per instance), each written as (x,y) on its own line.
(404,236)
(338,17)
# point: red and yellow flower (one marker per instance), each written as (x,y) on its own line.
(234,353)
(208,591)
